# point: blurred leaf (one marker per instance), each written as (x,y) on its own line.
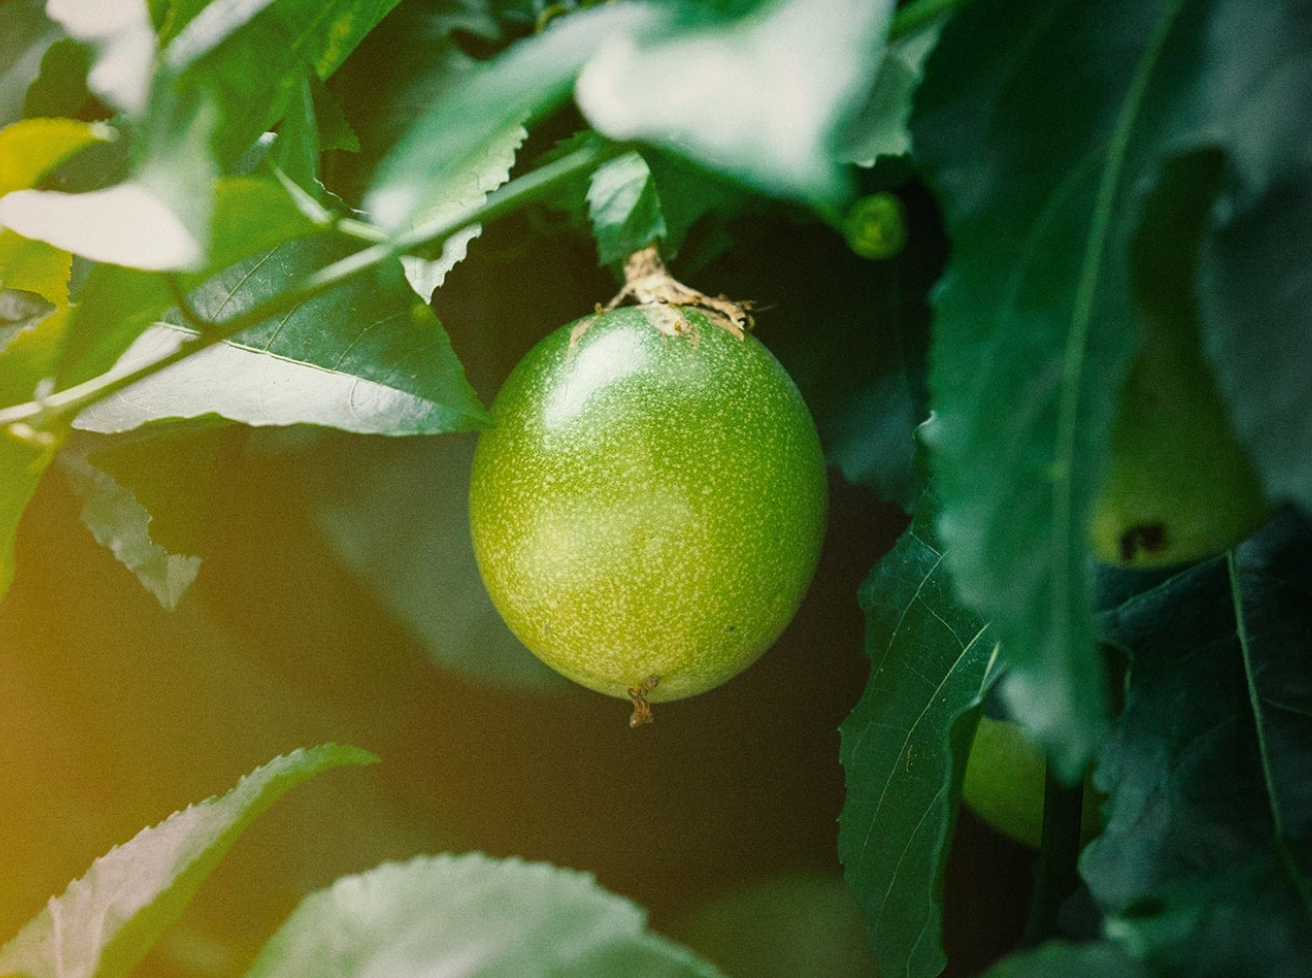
(21,466)
(1059,959)
(1255,294)
(1209,767)
(25,35)
(1040,126)
(624,208)
(758,98)
(397,515)
(365,357)
(475,113)
(19,312)
(28,149)
(474,916)
(904,747)
(296,150)
(118,521)
(122,42)
(879,127)
(107,920)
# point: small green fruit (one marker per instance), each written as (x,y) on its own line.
(1178,487)
(648,510)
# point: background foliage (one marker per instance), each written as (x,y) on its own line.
(236,237)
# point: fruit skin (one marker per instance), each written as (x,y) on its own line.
(1178,487)
(650,503)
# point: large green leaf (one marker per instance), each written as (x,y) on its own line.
(759,97)
(904,747)
(368,357)
(473,916)
(107,920)
(121,38)
(1040,124)
(1209,767)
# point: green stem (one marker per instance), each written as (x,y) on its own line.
(918,14)
(511,197)
(1056,875)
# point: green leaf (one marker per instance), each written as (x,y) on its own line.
(397,515)
(250,59)
(1209,767)
(904,747)
(61,87)
(624,208)
(19,312)
(1255,296)
(121,38)
(21,466)
(1041,125)
(25,35)
(759,98)
(474,916)
(879,127)
(367,357)
(34,266)
(107,920)
(118,520)
(115,305)
(1061,959)
(472,118)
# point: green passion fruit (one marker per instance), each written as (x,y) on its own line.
(648,509)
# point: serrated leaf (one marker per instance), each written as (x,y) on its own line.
(1209,767)
(879,127)
(758,98)
(397,515)
(122,40)
(1036,327)
(34,266)
(366,357)
(463,192)
(904,747)
(473,116)
(21,466)
(25,35)
(624,208)
(1062,959)
(119,522)
(473,916)
(107,920)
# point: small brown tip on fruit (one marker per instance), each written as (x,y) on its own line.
(641,708)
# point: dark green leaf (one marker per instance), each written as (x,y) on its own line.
(474,916)
(904,747)
(1060,959)
(118,520)
(1041,182)
(397,514)
(1209,767)
(366,357)
(475,114)
(106,921)
(1256,300)
(61,88)
(716,93)
(624,208)
(25,35)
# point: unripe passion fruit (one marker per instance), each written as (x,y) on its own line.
(648,510)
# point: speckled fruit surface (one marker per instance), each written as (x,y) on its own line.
(650,503)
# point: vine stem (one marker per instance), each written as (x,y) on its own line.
(39,413)
(1057,873)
